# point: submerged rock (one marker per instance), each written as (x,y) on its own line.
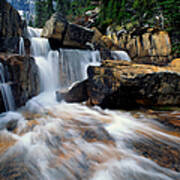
(122,84)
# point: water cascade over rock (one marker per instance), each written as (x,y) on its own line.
(62,67)
(48,140)
(21,47)
(5,92)
(58,69)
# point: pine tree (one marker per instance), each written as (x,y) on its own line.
(50,9)
(40,18)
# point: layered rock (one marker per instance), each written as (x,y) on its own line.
(147,46)
(22,75)
(61,33)
(11,28)
(122,84)
(104,44)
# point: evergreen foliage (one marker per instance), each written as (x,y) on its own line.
(164,14)
(41,13)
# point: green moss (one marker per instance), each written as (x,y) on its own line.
(165,108)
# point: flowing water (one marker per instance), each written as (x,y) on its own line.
(21,46)
(47,140)
(120,55)
(5,90)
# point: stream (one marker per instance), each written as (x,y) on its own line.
(48,140)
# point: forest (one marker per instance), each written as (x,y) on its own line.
(164,14)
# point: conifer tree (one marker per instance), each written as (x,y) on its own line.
(41,15)
(50,9)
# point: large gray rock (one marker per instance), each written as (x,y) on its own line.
(61,33)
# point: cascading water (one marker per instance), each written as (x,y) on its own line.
(72,141)
(34,32)
(45,59)
(74,64)
(120,55)
(59,69)
(6,91)
(21,46)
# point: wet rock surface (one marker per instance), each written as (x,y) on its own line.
(68,148)
(2,109)
(122,84)
(22,75)
(77,94)
(164,153)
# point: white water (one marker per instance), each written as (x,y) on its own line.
(56,146)
(21,47)
(6,91)
(52,138)
(34,32)
(74,65)
(60,69)
(120,55)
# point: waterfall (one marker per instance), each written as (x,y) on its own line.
(21,46)
(59,69)
(34,32)
(120,55)
(6,91)
(74,64)
(47,62)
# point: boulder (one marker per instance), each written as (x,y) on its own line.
(122,84)
(11,28)
(78,93)
(61,33)
(104,44)
(22,75)
(147,46)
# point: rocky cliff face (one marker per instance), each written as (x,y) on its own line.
(147,46)
(121,84)
(11,28)
(22,75)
